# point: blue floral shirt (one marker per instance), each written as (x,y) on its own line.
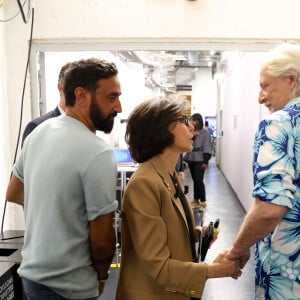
(276,168)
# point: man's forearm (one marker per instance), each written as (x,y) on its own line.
(259,222)
(15,191)
(102,244)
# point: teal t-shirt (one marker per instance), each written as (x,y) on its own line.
(69,177)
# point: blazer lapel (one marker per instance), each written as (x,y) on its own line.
(167,181)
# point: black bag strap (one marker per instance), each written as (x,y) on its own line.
(179,194)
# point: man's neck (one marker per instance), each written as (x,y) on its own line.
(60,109)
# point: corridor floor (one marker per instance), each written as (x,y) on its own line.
(221,203)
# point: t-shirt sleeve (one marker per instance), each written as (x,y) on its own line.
(99,185)
(18,169)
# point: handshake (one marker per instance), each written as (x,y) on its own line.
(224,266)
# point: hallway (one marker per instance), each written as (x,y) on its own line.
(221,203)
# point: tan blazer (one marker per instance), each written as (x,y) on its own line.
(156,262)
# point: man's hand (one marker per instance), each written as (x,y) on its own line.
(242,256)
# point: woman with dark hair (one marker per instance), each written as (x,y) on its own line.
(197,160)
(159,260)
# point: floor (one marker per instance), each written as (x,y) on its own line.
(221,203)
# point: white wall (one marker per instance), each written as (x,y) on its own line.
(241,114)
(141,23)
(167,19)
(204,93)
(16,46)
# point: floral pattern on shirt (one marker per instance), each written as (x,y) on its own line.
(276,169)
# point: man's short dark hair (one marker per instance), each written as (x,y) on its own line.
(86,73)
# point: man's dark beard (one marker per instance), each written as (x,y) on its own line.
(99,121)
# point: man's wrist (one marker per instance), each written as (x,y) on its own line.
(239,249)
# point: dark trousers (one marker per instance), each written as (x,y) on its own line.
(197,174)
(35,291)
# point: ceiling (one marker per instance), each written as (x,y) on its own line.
(171,71)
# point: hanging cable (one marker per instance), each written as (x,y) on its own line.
(25,19)
(21,112)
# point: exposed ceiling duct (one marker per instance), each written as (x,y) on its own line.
(169,70)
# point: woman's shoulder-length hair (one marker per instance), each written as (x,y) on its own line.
(147,133)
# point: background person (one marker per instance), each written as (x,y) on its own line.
(273,221)
(66,177)
(197,160)
(158,231)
